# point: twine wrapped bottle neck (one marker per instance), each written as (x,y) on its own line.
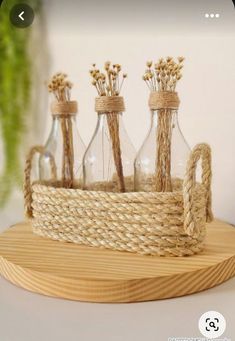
(64,109)
(164,100)
(109,104)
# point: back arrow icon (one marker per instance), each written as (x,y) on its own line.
(21,15)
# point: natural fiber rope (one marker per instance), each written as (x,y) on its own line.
(64,108)
(27,176)
(163,151)
(112,105)
(163,100)
(101,242)
(68,152)
(202,152)
(113,125)
(164,224)
(123,241)
(109,104)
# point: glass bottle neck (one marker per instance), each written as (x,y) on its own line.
(102,117)
(59,118)
(154,117)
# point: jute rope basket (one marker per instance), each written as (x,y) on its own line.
(150,223)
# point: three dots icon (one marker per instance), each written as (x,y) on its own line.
(212,15)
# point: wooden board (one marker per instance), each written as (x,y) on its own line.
(88,274)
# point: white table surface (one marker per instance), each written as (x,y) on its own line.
(26,316)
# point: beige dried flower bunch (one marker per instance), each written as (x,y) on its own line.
(164,75)
(109,82)
(61,87)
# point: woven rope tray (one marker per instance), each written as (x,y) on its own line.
(151,223)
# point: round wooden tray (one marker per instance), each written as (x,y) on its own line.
(83,273)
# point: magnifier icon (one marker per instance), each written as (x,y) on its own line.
(212,324)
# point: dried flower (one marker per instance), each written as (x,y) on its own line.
(164,74)
(60,86)
(108,83)
(181,59)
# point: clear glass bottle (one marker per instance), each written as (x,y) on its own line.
(104,169)
(108,162)
(146,159)
(64,149)
(54,147)
(161,161)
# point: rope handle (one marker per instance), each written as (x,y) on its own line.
(200,151)
(27,176)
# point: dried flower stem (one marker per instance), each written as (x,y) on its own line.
(163,77)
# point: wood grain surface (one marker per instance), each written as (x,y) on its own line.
(83,273)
